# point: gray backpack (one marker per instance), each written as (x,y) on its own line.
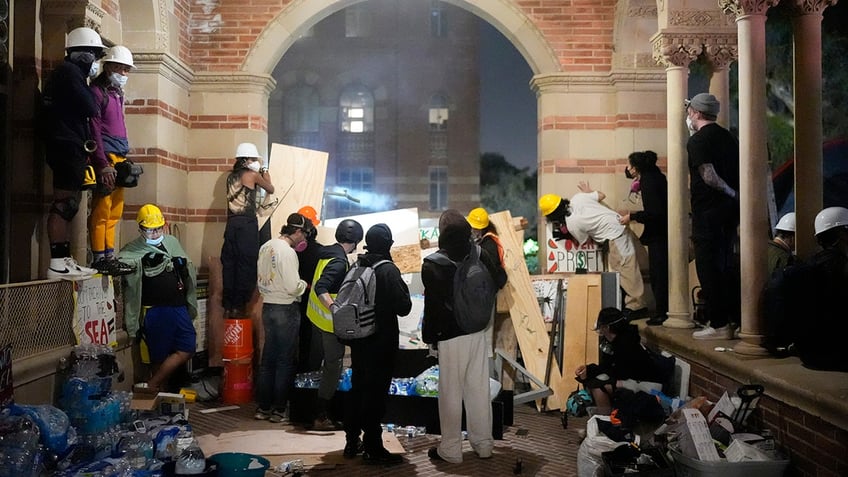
(353,311)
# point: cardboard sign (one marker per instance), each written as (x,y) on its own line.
(566,256)
(94,311)
(7,386)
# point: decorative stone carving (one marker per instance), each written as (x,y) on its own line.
(811,7)
(674,49)
(721,49)
(697,18)
(746,7)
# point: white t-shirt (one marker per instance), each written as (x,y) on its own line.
(591,219)
(277,277)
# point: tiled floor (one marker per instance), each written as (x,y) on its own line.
(536,440)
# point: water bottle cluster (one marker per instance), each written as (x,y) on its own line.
(312,380)
(19,446)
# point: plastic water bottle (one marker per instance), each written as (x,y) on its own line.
(191,460)
(137,448)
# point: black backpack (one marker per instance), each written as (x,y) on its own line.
(474,290)
(784,289)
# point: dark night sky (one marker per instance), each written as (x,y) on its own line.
(507,105)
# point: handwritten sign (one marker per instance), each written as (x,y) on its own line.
(567,256)
(94,311)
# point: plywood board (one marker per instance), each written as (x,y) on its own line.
(405,233)
(582,304)
(298,176)
(527,321)
(283,441)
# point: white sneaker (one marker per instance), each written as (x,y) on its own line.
(68,269)
(709,333)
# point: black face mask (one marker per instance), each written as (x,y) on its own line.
(627,173)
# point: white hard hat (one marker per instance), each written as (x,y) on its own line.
(247,149)
(786,223)
(831,217)
(119,54)
(83,37)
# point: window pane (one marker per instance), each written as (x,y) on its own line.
(438,187)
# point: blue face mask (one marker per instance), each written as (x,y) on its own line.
(118,80)
(155,241)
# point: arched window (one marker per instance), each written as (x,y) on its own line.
(300,110)
(356,106)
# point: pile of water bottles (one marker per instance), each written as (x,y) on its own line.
(425,384)
(94,431)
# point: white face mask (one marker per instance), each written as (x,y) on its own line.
(118,80)
(155,241)
(689,125)
(254,166)
(95,68)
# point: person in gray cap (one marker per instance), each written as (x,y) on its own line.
(714,184)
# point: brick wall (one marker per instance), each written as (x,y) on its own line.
(814,447)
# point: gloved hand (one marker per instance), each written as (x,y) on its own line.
(106,178)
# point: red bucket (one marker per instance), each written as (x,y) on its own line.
(238,339)
(237,382)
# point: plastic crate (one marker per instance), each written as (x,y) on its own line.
(687,467)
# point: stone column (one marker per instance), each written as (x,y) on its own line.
(753,166)
(808,120)
(720,56)
(675,53)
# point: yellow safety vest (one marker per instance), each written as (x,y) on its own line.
(317,313)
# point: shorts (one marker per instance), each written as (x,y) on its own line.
(168,329)
(68,161)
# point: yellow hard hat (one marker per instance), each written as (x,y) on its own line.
(150,217)
(549,203)
(478,218)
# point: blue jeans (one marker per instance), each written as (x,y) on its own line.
(279,355)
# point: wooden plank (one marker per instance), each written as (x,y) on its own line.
(582,304)
(298,176)
(527,321)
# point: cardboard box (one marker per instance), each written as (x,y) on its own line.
(694,436)
(164,403)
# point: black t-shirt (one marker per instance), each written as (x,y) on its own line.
(712,144)
(166,288)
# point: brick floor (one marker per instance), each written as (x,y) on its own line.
(537,440)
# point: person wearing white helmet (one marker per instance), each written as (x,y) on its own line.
(781,249)
(109,131)
(240,251)
(821,340)
(68,106)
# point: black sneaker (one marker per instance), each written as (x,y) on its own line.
(112,266)
(657,320)
(433,454)
(352,448)
(381,457)
(635,314)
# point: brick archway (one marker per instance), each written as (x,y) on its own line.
(269,47)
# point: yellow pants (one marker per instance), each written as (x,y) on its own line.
(106,211)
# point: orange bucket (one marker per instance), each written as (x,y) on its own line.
(237,382)
(238,339)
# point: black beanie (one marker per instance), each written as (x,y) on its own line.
(378,239)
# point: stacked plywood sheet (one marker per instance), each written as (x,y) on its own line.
(529,325)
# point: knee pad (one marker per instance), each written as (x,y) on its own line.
(66,208)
